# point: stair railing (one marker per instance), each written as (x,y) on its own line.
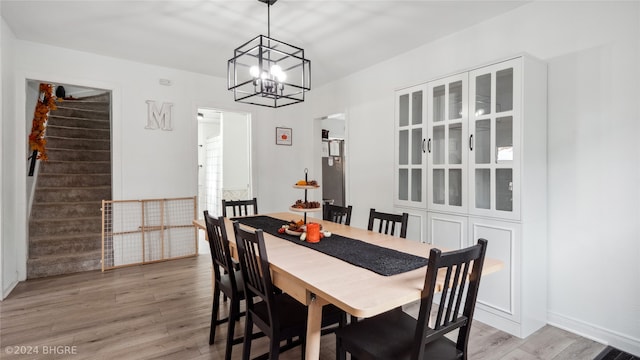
(32,165)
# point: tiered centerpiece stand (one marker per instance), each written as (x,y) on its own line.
(306,201)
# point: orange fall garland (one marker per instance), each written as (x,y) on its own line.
(46,103)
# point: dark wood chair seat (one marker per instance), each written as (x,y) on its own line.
(226,284)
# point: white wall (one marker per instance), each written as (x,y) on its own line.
(9,231)
(2,71)
(592,51)
(235,127)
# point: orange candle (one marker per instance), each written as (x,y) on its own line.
(313,232)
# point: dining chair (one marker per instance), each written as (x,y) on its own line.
(397,335)
(387,222)
(228,281)
(337,214)
(240,207)
(276,314)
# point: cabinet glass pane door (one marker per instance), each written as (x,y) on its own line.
(403,184)
(438,144)
(493,131)
(410,146)
(403,110)
(403,147)
(416,146)
(447,132)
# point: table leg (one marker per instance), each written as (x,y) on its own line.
(314,324)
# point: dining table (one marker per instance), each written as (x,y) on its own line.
(315,278)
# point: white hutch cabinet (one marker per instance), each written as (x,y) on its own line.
(474,166)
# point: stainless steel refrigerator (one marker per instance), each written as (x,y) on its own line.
(333,172)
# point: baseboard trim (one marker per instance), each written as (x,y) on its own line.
(596,333)
(6,291)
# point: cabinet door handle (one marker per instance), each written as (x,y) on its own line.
(424,149)
(471,142)
(429,146)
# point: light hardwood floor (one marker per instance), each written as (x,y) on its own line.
(163,311)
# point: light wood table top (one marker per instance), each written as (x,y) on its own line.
(316,279)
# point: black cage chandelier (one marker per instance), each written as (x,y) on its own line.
(268,72)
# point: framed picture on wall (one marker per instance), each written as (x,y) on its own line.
(283,136)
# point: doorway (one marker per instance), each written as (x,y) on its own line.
(224,160)
(331,159)
(65,192)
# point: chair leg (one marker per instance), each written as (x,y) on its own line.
(248,329)
(214,316)
(274,348)
(231,325)
(340,353)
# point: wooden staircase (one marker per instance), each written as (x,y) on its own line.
(66,222)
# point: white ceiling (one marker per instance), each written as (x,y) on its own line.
(339,36)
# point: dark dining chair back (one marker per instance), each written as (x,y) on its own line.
(254,264)
(337,214)
(387,222)
(457,264)
(240,207)
(408,338)
(228,281)
(278,316)
(218,244)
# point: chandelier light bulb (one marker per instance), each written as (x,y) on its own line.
(275,70)
(282,77)
(254,71)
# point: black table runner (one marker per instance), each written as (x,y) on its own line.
(381,260)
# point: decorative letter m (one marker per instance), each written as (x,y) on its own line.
(158,119)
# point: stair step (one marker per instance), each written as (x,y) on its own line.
(64,110)
(50,265)
(79,144)
(68,244)
(75,167)
(74,180)
(61,194)
(100,105)
(61,154)
(78,122)
(104,97)
(53,210)
(42,227)
(76,132)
